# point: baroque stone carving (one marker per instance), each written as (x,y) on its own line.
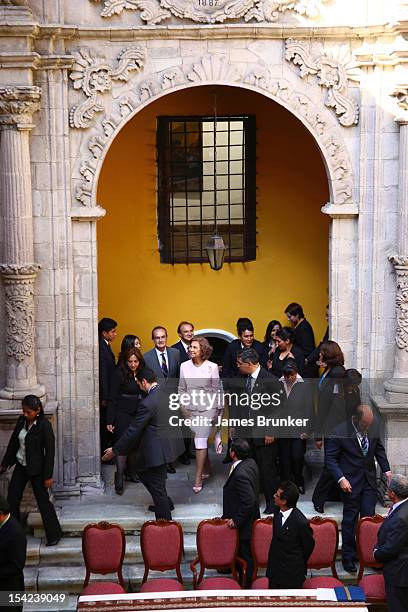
(18,104)
(212,11)
(19,304)
(94,76)
(400,93)
(209,69)
(331,74)
(401,301)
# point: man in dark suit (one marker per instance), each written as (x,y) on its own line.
(350,457)
(165,363)
(313,358)
(185,331)
(304,335)
(292,541)
(257,381)
(13,546)
(245,331)
(147,435)
(392,545)
(240,499)
(107,332)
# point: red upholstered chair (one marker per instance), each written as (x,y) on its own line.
(261,538)
(366,536)
(217,547)
(326,535)
(103,548)
(162,549)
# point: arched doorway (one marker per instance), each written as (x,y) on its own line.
(292,233)
(219,339)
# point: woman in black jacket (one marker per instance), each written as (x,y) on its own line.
(31,449)
(287,349)
(123,401)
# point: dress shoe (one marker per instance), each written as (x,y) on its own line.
(268,510)
(301,490)
(53,542)
(153,508)
(350,567)
(171,469)
(318,509)
(227,459)
(131,477)
(184,460)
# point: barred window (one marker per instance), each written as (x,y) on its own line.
(197,195)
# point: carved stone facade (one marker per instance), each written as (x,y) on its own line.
(74,74)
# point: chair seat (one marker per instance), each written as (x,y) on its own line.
(214,584)
(260,583)
(373,586)
(161,584)
(322,582)
(103,588)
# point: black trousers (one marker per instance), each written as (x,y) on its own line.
(397,597)
(326,489)
(154,479)
(244,552)
(265,457)
(291,459)
(15,493)
(353,507)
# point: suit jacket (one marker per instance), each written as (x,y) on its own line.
(173,366)
(344,457)
(39,446)
(277,364)
(184,356)
(229,362)
(331,407)
(392,546)
(304,339)
(148,434)
(240,497)
(106,368)
(13,546)
(290,549)
(265,384)
(299,405)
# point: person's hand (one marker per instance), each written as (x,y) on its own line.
(269,440)
(2,469)
(303,436)
(269,364)
(319,444)
(231,524)
(110,428)
(388,476)
(48,483)
(108,454)
(345,486)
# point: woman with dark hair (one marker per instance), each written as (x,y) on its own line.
(304,336)
(31,449)
(330,412)
(129,341)
(270,345)
(199,379)
(123,401)
(286,349)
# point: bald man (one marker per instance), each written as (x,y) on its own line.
(350,457)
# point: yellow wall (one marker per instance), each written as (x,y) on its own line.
(292,254)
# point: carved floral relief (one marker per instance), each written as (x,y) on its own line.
(212,11)
(401,301)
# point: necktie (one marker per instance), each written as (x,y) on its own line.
(249,384)
(364,445)
(279,520)
(164,367)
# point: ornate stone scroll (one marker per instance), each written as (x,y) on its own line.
(95,76)
(331,74)
(212,11)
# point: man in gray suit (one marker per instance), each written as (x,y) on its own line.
(165,363)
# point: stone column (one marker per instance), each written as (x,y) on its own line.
(17,106)
(397,388)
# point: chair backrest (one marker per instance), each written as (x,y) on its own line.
(262,530)
(162,546)
(217,545)
(366,538)
(103,548)
(326,536)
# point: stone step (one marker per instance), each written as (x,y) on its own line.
(69,551)
(69,580)
(74,518)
